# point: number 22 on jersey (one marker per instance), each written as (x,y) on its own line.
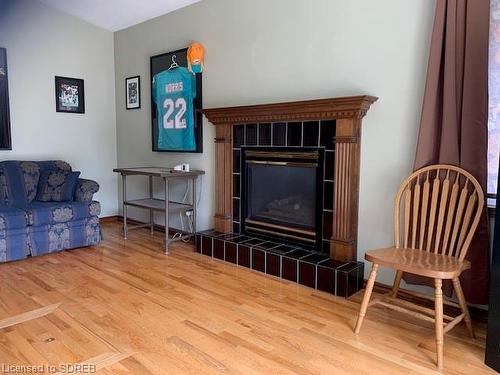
(177,120)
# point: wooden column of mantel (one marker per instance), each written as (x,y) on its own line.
(348,113)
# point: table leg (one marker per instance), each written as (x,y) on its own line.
(166,215)
(151,212)
(194,205)
(124,198)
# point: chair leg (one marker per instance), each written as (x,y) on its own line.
(366,298)
(397,282)
(439,322)
(463,306)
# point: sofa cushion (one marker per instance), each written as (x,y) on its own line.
(57,186)
(31,175)
(61,236)
(14,244)
(19,179)
(43,213)
(12,218)
(4,189)
(14,183)
(53,165)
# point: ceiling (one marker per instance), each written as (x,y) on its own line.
(117,14)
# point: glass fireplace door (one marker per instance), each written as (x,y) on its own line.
(282,194)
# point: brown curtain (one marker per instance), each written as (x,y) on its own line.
(454,123)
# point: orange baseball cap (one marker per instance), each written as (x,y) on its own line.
(195,55)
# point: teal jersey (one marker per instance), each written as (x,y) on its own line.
(173,92)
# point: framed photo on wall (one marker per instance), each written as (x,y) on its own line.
(5,138)
(176,101)
(70,95)
(133,92)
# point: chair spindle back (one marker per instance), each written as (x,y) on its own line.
(439,208)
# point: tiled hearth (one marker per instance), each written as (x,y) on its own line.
(281,260)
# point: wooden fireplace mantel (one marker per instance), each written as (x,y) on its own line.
(348,113)
(354,107)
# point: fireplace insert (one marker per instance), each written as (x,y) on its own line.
(282,194)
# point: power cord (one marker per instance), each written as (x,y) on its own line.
(189,213)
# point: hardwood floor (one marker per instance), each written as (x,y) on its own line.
(125,308)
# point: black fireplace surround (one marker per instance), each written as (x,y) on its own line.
(282,194)
(306,137)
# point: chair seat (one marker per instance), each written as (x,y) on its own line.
(418,262)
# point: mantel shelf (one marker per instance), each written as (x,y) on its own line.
(319,109)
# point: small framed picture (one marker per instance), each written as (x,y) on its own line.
(70,96)
(133,92)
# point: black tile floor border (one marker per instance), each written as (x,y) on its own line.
(291,263)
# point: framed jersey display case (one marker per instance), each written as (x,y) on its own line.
(176,97)
(5,139)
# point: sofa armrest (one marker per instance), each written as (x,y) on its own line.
(85,190)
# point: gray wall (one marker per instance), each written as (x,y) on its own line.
(263,51)
(41,43)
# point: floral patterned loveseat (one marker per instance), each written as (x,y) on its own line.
(29,227)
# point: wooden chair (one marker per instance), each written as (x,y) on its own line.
(438,207)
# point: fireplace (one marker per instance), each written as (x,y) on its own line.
(282,194)
(333,123)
